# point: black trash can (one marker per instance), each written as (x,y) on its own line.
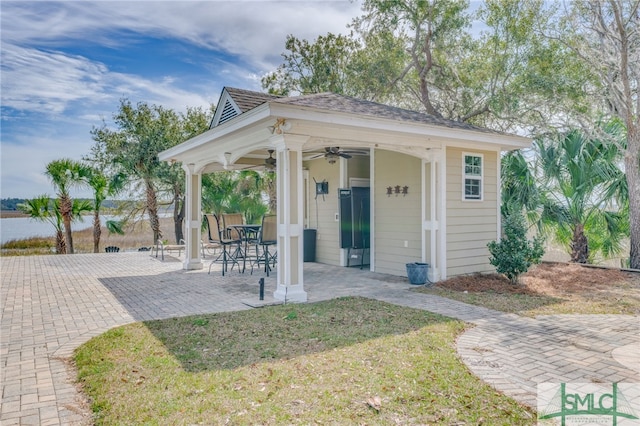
(309,250)
(417,272)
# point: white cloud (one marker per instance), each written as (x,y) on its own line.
(253,30)
(47,81)
(64,95)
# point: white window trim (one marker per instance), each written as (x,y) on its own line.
(465,177)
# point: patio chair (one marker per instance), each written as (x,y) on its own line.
(230,219)
(268,237)
(161,247)
(230,246)
(112,249)
(210,241)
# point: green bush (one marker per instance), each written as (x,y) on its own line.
(514,253)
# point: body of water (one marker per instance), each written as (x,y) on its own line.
(18,228)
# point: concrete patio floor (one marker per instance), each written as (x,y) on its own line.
(53,304)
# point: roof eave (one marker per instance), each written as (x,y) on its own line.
(175,153)
(506,142)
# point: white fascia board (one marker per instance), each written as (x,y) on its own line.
(505,142)
(181,151)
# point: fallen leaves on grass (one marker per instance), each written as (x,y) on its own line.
(374,402)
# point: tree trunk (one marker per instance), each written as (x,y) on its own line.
(61,246)
(178,217)
(579,245)
(66,210)
(152,208)
(632,169)
(272,192)
(97,231)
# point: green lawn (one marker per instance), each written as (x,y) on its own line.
(345,361)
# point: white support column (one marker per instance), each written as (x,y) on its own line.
(372,211)
(499,197)
(433,248)
(342,183)
(442,212)
(430,215)
(193,217)
(290,193)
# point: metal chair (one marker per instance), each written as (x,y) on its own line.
(211,240)
(161,247)
(216,235)
(229,219)
(268,237)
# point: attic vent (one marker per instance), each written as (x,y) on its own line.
(228,112)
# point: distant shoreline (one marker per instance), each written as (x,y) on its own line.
(6,214)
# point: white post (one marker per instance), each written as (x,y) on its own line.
(290,212)
(442,213)
(193,217)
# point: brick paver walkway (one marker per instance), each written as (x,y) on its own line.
(53,304)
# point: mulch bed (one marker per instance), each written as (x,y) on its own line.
(546,278)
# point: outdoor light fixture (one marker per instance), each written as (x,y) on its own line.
(279,127)
(331,157)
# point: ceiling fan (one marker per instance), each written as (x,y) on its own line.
(332,153)
(270,163)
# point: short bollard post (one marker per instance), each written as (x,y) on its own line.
(261,288)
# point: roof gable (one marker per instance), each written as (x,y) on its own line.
(234,102)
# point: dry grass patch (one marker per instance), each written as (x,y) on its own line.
(346,361)
(549,288)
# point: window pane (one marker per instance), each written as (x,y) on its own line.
(472,165)
(472,189)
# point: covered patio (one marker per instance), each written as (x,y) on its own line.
(312,136)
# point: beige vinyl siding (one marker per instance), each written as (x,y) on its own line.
(397,218)
(327,243)
(471,224)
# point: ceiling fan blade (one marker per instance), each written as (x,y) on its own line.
(316,155)
(355,152)
(344,155)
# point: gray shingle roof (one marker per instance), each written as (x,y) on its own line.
(246,100)
(346,104)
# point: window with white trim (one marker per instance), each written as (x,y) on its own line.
(472,165)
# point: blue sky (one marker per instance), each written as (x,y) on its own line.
(65,66)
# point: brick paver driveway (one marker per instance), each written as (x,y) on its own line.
(53,304)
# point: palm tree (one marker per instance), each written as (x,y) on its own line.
(519,190)
(102,188)
(66,174)
(583,192)
(43,209)
(232,192)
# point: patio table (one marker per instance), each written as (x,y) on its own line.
(247,232)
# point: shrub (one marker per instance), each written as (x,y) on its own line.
(514,253)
